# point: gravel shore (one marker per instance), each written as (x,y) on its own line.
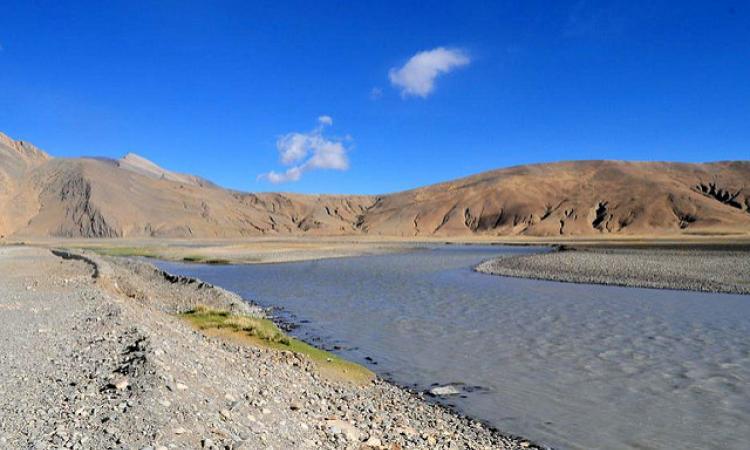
(723,271)
(95,358)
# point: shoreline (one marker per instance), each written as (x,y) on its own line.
(286,323)
(713,268)
(282,249)
(140,376)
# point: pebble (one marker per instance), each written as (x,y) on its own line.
(120,383)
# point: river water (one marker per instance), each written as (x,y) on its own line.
(572,366)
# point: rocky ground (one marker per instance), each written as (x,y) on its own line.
(725,271)
(94,358)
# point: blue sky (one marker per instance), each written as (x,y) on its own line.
(227,90)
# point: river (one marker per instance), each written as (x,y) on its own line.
(573,366)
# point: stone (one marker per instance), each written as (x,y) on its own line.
(120,383)
(373,442)
(337,426)
(444,391)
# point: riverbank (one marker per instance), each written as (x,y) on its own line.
(97,357)
(281,249)
(707,269)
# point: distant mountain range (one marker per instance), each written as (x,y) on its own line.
(41,196)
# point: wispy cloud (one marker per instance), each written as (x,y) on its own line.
(308,151)
(417,76)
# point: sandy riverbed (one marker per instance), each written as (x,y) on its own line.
(282,249)
(708,269)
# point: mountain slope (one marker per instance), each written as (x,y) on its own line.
(17,201)
(133,197)
(575,198)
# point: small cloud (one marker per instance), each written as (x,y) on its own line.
(417,76)
(309,151)
(376,93)
(292,174)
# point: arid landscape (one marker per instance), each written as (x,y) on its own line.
(660,225)
(45,197)
(455,225)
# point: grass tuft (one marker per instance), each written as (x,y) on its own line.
(264,333)
(125,251)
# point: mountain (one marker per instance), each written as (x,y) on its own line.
(97,197)
(42,196)
(575,198)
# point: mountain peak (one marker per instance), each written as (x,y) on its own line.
(137,160)
(24,149)
(139,164)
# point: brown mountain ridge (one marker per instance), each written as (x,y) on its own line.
(41,196)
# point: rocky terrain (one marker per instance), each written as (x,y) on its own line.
(41,196)
(725,271)
(95,359)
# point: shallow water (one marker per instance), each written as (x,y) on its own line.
(570,365)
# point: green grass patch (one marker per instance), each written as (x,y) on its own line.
(154,252)
(125,251)
(265,333)
(204,260)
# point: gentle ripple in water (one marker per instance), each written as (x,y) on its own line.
(571,365)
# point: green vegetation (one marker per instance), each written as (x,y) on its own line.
(154,252)
(204,260)
(125,251)
(265,333)
(204,317)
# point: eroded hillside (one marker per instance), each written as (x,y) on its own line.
(133,197)
(574,198)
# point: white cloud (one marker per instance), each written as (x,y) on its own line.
(292,147)
(292,174)
(376,93)
(417,76)
(308,151)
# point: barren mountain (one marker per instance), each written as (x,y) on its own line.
(575,198)
(133,197)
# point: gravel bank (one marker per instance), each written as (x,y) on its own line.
(102,362)
(694,270)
